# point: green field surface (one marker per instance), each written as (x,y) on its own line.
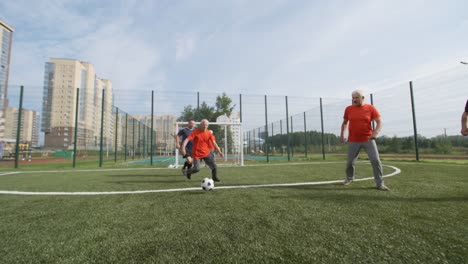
(423,219)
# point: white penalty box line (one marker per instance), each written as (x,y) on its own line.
(395,172)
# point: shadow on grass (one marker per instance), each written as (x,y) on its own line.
(144,175)
(139,182)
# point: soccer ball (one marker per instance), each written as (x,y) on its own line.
(171,166)
(207,184)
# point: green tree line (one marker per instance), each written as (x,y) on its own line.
(436,145)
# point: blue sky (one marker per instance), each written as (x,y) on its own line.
(262,47)
(275,47)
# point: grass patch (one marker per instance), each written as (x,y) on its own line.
(422,220)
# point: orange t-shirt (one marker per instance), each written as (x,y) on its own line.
(202,143)
(360,120)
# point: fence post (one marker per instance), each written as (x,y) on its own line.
(266,130)
(139,140)
(116,132)
(287,130)
(76,125)
(151,141)
(248,142)
(133,138)
(18,130)
(102,128)
(323,133)
(240,107)
(414,121)
(143,127)
(126,136)
(305,135)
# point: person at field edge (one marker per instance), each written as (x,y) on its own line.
(181,136)
(464,121)
(359,117)
(203,141)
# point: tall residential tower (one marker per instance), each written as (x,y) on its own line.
(6,36)
(61,79)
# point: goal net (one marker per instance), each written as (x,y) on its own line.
(229,138)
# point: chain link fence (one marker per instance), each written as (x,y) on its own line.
(100,127)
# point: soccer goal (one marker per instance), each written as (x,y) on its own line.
(229,138)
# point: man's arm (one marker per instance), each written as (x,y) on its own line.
(176,137)
(344,125)
(464,125)
(377,129)
(184,144)
(218,149)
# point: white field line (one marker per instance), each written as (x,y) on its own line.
(396,171)
(130,169)
(9,173)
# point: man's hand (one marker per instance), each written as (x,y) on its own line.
(341,139)
(464,132)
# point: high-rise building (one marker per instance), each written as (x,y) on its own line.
(29,129)
(6,37)
(109,118)
(163,127)
(61,79)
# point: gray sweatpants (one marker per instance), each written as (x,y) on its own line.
(372,153)
(209,161)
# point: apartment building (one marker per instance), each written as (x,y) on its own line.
(164,127)
(61,79)
(29,126)
(6,37)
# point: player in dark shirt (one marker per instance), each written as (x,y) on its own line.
(181,136)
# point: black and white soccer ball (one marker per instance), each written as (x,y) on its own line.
(207,184)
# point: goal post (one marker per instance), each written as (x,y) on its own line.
(229,137)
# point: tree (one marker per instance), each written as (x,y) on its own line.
(204,112)
(223,105)
(187,114)
(442,145)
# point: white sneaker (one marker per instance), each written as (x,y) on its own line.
(347,182)
(383,188)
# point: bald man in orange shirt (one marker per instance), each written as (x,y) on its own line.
(359,117)
(203,143)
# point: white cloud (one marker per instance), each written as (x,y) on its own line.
(281,47)
(185,45)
